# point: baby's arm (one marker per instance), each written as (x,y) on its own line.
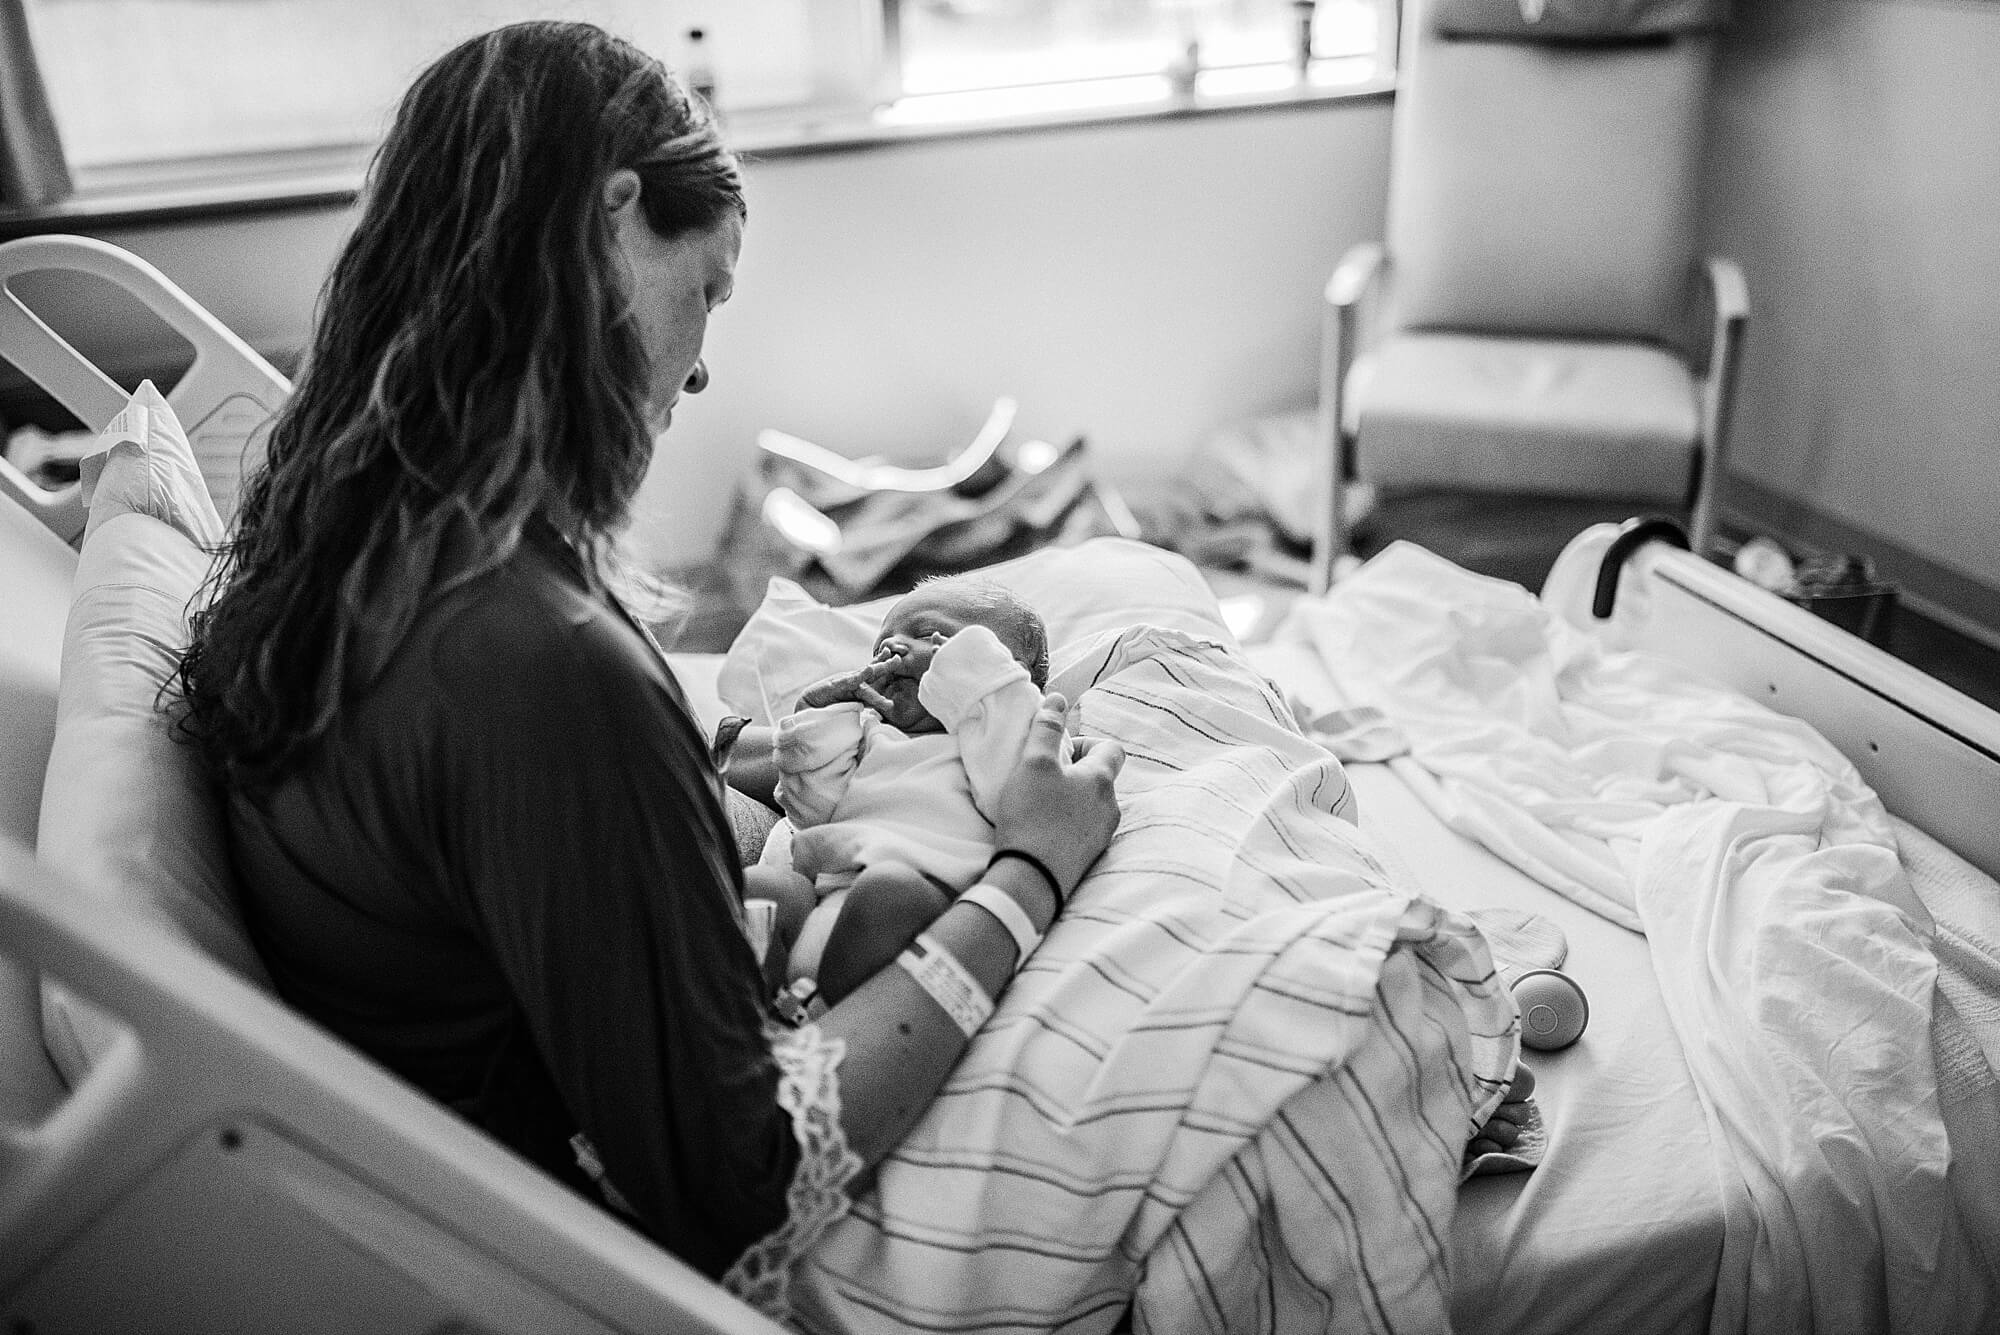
(986,699)
(816,751)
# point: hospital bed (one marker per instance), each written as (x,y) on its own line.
(219,1163)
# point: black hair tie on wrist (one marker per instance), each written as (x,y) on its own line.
(1055,886)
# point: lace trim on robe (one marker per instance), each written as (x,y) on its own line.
(809,1092)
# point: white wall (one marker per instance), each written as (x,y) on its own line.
(258,273)
(1855,173)
(1138,283)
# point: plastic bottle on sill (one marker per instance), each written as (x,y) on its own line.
(1184,71)
(699,70)
(1302,38)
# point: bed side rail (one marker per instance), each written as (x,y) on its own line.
(1931,752)
(228,1165)
(225,401)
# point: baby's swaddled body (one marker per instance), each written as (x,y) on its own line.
(859,792)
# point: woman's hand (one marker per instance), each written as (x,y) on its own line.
(1060,803)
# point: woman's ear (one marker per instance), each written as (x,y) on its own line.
(621,189)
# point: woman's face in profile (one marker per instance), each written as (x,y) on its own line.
(675,284)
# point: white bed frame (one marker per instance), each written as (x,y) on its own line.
(234,1167)
(224,400)
(1931,752)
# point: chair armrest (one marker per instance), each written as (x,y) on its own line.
(1727,289)
(1356,274)
(1729,302)
(1360,272)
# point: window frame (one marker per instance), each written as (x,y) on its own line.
(856,78)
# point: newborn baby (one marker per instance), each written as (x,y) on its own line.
(887,772)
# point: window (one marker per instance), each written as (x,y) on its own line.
(988,55)
(134,83)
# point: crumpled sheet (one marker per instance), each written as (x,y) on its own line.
(1232,1089)
(1790,951)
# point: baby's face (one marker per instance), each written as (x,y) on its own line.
(915,626)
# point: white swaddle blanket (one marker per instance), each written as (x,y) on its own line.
(1792,955)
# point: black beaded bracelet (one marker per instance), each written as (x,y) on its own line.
(1055,886)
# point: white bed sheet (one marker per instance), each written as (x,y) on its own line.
(1620,1227)
(1788,941)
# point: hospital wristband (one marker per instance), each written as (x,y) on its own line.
(1010,914)
(1041,867)
(939,973)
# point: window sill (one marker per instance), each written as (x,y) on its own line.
(159,193)
(166,192)
(780,135)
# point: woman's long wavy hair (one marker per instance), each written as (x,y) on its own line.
(473,367)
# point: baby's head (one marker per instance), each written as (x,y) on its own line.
(947,604)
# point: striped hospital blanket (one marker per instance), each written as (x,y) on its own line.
(1231,1090)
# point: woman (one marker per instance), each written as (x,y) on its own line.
(479,833)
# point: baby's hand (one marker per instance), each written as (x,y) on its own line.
(858,685)
(901,657)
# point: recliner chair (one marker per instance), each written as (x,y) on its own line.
(1534,322)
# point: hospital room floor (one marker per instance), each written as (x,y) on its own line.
(1516,539)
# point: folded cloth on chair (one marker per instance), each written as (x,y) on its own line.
(1232,1088)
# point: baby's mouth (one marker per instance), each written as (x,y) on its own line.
(906,710)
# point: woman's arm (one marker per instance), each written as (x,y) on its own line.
(753,768)
(587,853)
(901,1044)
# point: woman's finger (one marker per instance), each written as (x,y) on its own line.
(1101,753)
(1047,732)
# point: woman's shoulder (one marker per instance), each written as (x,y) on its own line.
(530,626)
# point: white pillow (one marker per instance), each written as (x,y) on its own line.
(792,639)
(127,811)
(142,462)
